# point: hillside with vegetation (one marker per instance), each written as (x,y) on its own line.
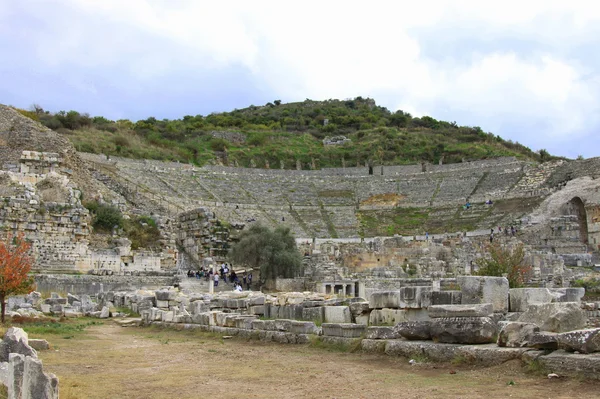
(274,133)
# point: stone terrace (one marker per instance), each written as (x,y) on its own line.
(324,203)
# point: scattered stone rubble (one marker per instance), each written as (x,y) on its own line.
(482,320)
(21,370)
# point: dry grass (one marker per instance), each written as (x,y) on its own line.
(114,362)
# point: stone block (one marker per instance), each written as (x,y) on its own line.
(199,307)
(16,368)
(39,344)
(15,302)
(165,295)
(259,324)
(168,316)
(391,317)
(413,330)
(573,294)
(381,333)
(358,308)
(303,327)
(104,313)
(212,317)
(555,317)
(362,319)
(516,334)
(572,365)
(521,298)
(72,313)
(316,314)
(584,341)
(230,320)
(16,340)
(256,301)
(484,289)
(45,308)
(293,312)
(244,322)
(415,297)
(436,352)
(446,297)
(345,330)
(384,299)
(257,310)
(475,310)
(57,309)
(274,311)
(337,314)
(36,383)
(282,325)
(463,330)
(162,304)
(221,318)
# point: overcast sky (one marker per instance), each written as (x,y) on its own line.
(527,70)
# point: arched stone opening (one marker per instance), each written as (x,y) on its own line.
(578,208)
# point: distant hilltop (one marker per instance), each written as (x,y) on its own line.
(301,135)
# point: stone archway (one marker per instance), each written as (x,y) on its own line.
(578,208)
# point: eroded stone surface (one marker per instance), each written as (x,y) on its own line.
(463,330)
(555,317)
(516,334)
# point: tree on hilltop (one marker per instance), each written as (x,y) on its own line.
(15,264)
(273,252)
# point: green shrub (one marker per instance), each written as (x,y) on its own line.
(217,144)
(142,232)
(106,217)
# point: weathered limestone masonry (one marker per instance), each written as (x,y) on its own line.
(482,321)
(47,209)
(93,285)
(21,370)
(200,236)
(360,268)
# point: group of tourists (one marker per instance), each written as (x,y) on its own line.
(226,274)
(512,232)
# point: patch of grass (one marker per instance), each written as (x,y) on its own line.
(67,328)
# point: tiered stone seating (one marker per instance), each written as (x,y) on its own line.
(455,189)
(496,184)
(323,202)
(344,220)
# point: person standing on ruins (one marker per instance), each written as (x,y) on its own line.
(216,277)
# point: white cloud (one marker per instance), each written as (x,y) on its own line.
(336,49)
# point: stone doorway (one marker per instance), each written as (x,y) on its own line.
(576,207)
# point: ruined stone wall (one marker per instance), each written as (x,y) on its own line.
(92,285)
(58,232)
(200,235)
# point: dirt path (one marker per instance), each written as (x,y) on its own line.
(110,361)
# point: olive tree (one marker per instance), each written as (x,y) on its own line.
(272,252)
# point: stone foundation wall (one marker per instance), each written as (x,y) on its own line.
(92,285)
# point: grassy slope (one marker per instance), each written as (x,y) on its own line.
(288,133)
